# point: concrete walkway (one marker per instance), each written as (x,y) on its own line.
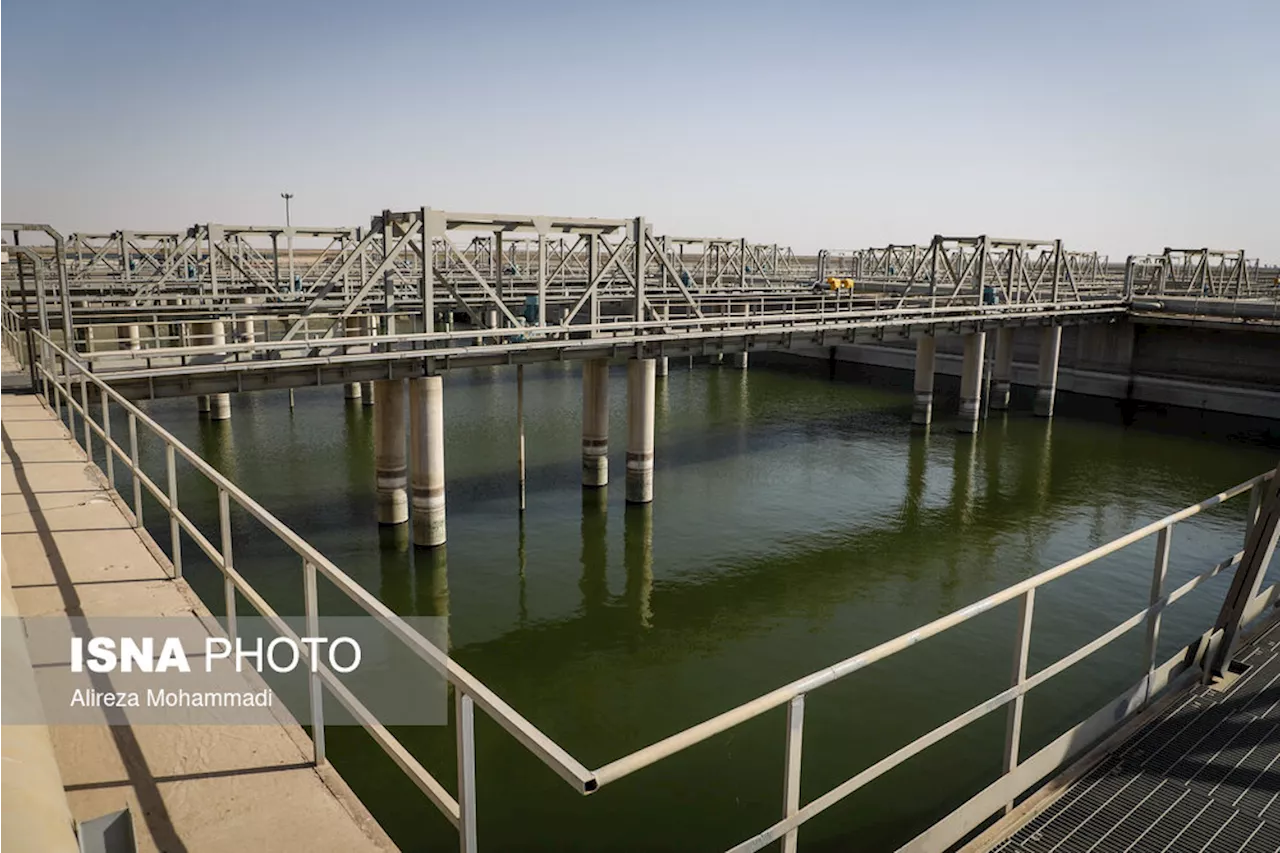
(70,549)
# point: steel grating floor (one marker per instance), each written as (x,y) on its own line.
(1202,776)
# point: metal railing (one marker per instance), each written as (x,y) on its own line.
(58,371)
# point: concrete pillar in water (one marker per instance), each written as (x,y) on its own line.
(426,443)
(214,333)
(975,347)
(740,360)
(370,327)
(247,333)
(662,366)
(641,399)
(130,338)
(1047,384)
(1002,370)
(353,327)
(922,405)
(389,452)
(595,422)
(220,410)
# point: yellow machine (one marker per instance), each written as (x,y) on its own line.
(834,283)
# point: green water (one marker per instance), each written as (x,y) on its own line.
(796,522)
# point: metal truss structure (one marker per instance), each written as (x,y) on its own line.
(1214,273)
(414,276)
(284,264)
(975,270)
(213,260)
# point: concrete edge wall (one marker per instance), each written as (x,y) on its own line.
(1146,389)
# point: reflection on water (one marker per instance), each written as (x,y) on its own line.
(638,549)
(796,521)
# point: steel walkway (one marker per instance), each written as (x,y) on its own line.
(1202,775)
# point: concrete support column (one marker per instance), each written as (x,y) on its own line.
(641,400)
(369,326)
(1047,384)
(129,337)
(740,360)
(247,332)
(662,367)
(595,422)
(1002,370)
(220,408)
(389,452)
(426,443)
(353,327)
(922,405)
(975,347)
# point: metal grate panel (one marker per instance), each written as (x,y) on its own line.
(1203,776)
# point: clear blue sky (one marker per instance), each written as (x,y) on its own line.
(1121,127)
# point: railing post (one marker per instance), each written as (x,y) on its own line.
(136,469)
(1258,549)
(791,781)
(466,771)
(70,399)
(1255,505)
(106,441)
(88,419)
(44,369)
(57,387)
(1022,649)
(316,695)
(228,586)
(1158,573)
(175,529)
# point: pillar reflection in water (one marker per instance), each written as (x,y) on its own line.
(917,465)
(595,550)
(396,568)
(431,585)
(638,557)
(965,472)
(994,444)
(662,405)
(358,446)
(1043,468)
(217,445)
(522,563)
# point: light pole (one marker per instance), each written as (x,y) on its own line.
(288,236)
